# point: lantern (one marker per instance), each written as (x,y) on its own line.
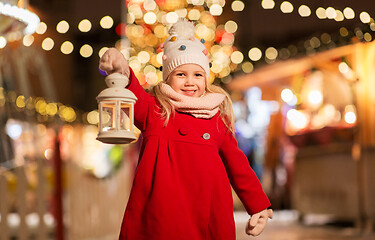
(116,111)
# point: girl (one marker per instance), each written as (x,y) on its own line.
(189,156)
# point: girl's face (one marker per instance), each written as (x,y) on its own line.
(188,79)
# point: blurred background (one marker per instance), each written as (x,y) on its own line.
(301,76)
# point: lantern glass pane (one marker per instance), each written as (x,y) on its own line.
(125,117)
(107,116)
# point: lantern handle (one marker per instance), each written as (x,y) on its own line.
(117,80)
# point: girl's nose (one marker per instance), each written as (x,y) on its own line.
(189,80)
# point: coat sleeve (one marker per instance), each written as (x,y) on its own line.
(243,179)
(145,102)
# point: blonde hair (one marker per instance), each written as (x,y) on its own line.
(225,108)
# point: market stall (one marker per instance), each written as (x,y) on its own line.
(326,113)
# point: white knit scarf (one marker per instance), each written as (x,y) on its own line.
(200,107)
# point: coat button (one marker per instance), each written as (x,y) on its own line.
(206,136)
(183,131)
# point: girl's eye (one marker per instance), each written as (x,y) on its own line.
(198,75)
(180,74)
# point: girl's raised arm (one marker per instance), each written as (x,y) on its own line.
(113,61)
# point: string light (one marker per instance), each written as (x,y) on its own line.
(365,17)
(231,26)
(84,25)
(48,44)
(268,4)
(42,28)
(236,57)
(216,10)
(349,13)
(304,11)
(28,40)
(67,47)
(330,13)
(106,22)
(286,7)
(255,54)
(86,51)
(62,26)
(102,51)
(237,6)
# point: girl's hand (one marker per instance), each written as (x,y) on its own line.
(113,61)
(258,221)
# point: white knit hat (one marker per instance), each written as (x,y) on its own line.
(181,47)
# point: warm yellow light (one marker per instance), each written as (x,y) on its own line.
(149,5)
(51,109)
(216,67)
(231,26)
(271,53)
(367,37)
(194,14)
(216,10)
(339,16)
(255,54)
(287,95)
(349,13)
(304,11)
(86,51)
(344,32)
(84,25)
(181,12)
(237,6)
(350,117)
(20,101)
(160,31)
(143,56)
(150,18)
(3,42)
(28,40)
(102,51)
(330,13)
(48,44)
(236,57)
(136,11)
(315,42)
(93,117)
(151,78)
(286,7)
(298,119)
(106,22)
(67,47)
(321,13)
(67,114)
(171,17)
(42,28)
(196,2)
(315,97)
(365,17)
(149,68)
(130,18)
(268,4)
(202,31)
(326,38)
(62,26)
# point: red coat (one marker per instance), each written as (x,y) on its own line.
(181,189)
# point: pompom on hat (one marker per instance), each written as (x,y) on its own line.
(181,47)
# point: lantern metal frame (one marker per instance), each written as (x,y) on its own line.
(116,98)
